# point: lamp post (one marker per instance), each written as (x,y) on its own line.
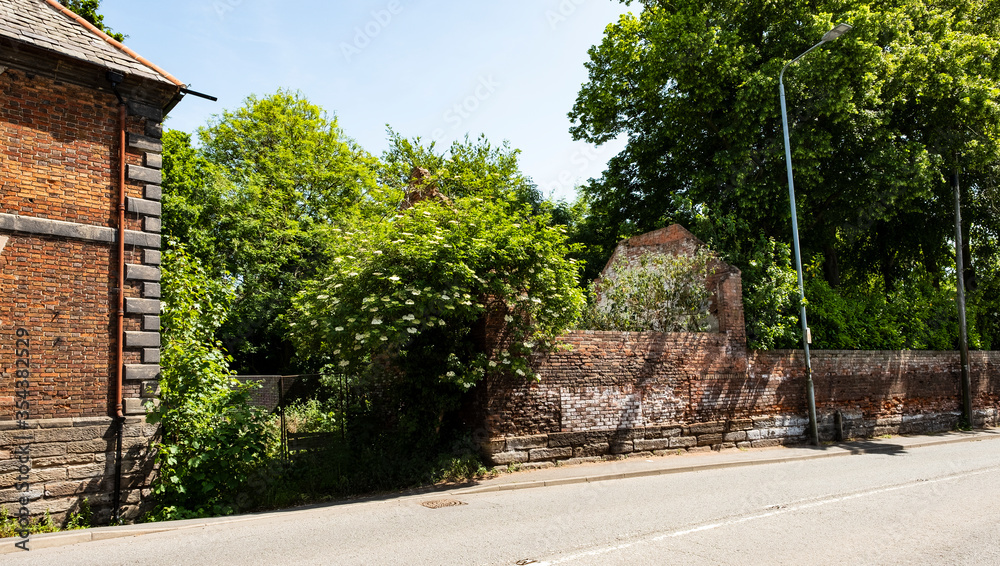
(831,35)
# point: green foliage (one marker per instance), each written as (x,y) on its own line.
(662,293)
(879,120)
(9,526)
(430,274)
(914,316)
(212,438)
(312,415)
(82,518)
(268,177)
(419,307)
(87,9)
(469,168)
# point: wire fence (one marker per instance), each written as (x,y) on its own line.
(275,393)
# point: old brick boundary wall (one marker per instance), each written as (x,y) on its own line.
(609,394)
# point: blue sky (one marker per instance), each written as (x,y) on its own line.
(510,70)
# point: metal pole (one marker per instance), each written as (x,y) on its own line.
(810,392)
(963,336)
(831,35)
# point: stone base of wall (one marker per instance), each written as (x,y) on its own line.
(74,458)
(541,450)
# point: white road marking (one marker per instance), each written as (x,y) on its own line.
(782,510)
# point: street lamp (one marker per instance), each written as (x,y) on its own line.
(831,35)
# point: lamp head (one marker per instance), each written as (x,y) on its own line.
(836,32)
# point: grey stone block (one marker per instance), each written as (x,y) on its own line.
(154,129)
(146,111)
(151,356)
(151,290)
(153,192)
(151,224)
(134,406)
(527,442)
(683,441)
(141,372)
(151,322)
(621,447)
(151,257)
(142,306)
(550,453)
(134,339)
(504,458)
(654,444)
(142,239)
(149,389)
(143,174)
(154,161)
(136,272)
(46,227)
(143,206)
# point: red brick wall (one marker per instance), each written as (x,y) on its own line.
(615,380)
(58,161)
(60,292)
(57,156)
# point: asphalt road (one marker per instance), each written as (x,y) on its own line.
(928,505)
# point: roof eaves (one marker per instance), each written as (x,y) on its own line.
(114,43)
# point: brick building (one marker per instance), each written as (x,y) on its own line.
(80,122)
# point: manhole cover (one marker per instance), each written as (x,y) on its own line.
(439,503)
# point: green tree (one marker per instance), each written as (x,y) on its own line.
(267,177)
(879,120)
(87,9)
(425,304)
(468,168)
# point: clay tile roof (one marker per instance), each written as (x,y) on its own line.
(48,25)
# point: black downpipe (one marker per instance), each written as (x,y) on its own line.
(116,517)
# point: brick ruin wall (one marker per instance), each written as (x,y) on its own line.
(609,394)
(58,274)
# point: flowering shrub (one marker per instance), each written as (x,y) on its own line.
(474,285)
(663,293)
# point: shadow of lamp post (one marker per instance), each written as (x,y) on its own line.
(831,35)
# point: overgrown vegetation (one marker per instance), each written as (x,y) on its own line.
(662,293)
(880,122)
(79,519)
(213,438)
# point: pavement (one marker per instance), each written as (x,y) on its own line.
(557,475)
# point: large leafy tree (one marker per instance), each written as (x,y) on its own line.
(250,201)
(879,121)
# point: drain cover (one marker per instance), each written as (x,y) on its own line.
(439,503)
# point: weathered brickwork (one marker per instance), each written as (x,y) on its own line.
(612,393)
(61,162)
(60,292)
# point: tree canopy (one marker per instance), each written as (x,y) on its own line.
(879,120)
